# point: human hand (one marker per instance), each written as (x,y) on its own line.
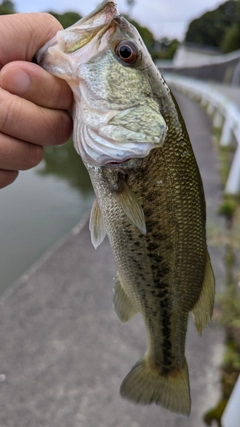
(33,103)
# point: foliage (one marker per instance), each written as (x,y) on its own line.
(212,27)
(228,206)
(231,40)
(168,48)
(215,414)
(66,19)
(7,7)
(230,305)
(171,49)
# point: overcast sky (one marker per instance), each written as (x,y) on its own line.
(163,17)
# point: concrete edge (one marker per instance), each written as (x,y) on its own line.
(43,258)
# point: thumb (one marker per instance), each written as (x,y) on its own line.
(21,35)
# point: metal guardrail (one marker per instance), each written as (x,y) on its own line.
(225,115)
(231,415)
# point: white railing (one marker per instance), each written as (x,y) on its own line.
(225,115)
(231,415)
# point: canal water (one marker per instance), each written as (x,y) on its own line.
(39,208)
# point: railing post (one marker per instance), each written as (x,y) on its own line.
(217,119)
(226,135)
(233,181)
(231,415)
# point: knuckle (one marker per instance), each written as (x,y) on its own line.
(7,177)
(11,113)
(60,129)
(41,22)
(50,24)
(61,94)
(34,157)
(6,116)
(64,130)
(50,21)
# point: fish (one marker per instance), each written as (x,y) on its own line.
(130,134)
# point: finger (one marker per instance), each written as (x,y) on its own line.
(18,155)
(7,177)
(33,83)
(21,35)
(20,118)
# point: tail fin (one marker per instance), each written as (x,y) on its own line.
(146,385)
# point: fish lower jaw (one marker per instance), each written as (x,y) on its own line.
(101,150)
(112,155)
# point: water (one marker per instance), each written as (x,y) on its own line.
(39,208)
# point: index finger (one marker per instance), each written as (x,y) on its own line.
(36,28)
(41,88)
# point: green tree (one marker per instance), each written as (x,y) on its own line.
(231,40)
(167,49)
(7,7)
(210,28)
(66,19)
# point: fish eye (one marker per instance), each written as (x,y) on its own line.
(127,51)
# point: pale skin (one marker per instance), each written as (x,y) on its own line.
(33,104)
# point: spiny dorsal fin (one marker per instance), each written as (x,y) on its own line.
(130,205)
(122,303)
(202,311)
(96,225)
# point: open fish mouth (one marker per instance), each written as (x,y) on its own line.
(102,15)
(82,32)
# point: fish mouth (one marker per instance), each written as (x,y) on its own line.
(104,13)
(81,33)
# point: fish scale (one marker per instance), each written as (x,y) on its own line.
(150,202)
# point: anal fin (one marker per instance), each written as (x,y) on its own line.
(122,303)
(202,311)
(96,225)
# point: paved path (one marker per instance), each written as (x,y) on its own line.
(63,350)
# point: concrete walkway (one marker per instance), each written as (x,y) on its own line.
(63,351)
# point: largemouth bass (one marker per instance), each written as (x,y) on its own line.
(149,195)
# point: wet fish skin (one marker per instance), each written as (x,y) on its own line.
(152,207)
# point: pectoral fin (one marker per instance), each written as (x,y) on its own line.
(202,311)
(131,206)
(122,304)
(96,225)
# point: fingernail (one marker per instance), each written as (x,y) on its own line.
(15,81)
